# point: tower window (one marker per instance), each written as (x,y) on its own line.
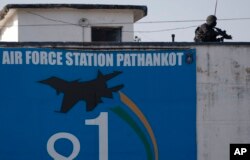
(106,34)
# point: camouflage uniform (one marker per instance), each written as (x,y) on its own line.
(206,32)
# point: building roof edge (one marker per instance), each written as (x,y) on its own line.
(6,9)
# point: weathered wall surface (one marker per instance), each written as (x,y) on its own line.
(223,99)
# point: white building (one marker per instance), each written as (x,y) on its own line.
(69,22)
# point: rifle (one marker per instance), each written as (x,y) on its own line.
(223,34)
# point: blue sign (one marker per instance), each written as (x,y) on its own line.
(97,105)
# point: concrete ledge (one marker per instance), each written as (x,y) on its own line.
(113,45)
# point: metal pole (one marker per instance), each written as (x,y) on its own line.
(173,37)
(215,7)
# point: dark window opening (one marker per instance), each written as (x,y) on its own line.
(106,34)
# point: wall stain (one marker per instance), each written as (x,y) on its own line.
(235,64)
(236,71)
(248,79)
(248,70)
(240,92)
(199,70)
(208,64)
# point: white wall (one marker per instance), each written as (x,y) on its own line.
(9,32)
(223,99)
(46,28)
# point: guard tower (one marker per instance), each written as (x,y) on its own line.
(69,22)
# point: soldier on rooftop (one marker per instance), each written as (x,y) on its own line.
(207,32)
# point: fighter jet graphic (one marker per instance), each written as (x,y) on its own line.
(89,91)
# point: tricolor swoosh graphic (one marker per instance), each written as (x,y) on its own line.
(127,118)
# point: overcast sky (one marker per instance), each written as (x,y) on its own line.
(177,10)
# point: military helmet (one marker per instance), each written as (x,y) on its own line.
(211,19)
